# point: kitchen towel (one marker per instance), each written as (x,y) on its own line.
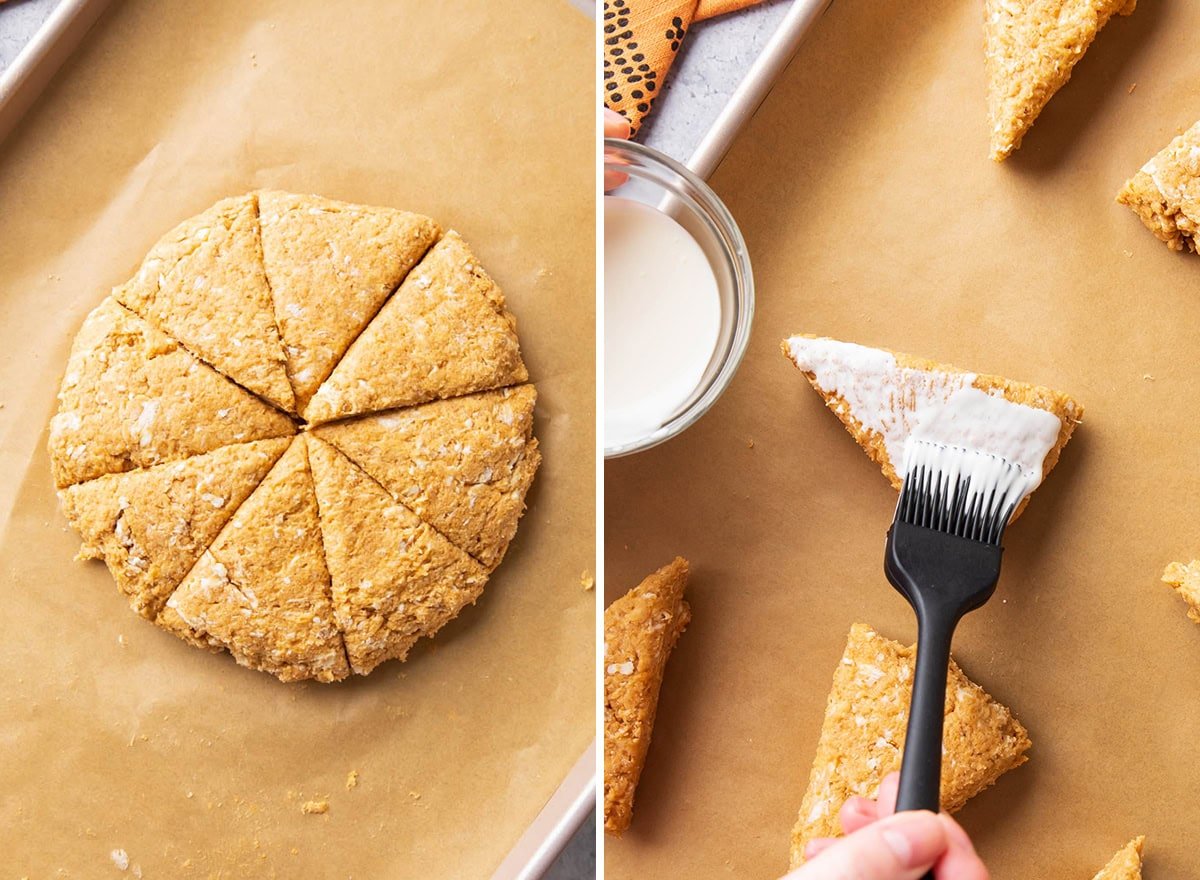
(640,41)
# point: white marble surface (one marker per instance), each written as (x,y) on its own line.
(712,61)
(19,20)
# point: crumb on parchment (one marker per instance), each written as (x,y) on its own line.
(351,780)
(586,580)
(314,807)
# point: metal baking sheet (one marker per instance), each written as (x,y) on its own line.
(753,89)
(21,87)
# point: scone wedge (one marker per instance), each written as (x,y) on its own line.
(151,525)
(883,397)
(1030,49)
(640,631)
(330,266)
(444,333)
(203,283)
(133,398)
(395,578)
(463,465)
(1165,193)
(262,591)
(1126,864)
(1184,578)
(866,719)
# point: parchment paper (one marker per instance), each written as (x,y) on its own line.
(115,735)
(873,214)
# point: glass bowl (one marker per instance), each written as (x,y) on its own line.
(658,180)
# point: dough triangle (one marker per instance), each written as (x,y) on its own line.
(203,284)
(640,631)
(330,266)
(150,526)
(133,398)
(882,396)
(1125,865)
(395,578)
(444,333)
(862,736)
(1030,49)
(463,465)
(261,591)
(1165,193)
(1185,580)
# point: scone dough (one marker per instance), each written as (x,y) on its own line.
(1165,193)
(261,591)
(204,284)
(318,251)
(395,578)
(463,464)
(150,526)
(133,398)
(182,458)
(640,631)
(1126,864)
(866,720)
(1030,49)
(445,333)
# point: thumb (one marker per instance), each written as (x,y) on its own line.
(902,847)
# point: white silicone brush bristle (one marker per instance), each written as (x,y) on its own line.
(964,492)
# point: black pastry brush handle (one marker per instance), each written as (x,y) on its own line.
(921,767)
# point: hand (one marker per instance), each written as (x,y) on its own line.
(615,126)
(884,845)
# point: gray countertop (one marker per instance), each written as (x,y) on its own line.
(715,56)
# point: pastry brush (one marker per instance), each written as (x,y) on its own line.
(943,555)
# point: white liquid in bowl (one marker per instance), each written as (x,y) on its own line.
(662,318)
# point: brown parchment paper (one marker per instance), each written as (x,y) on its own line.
(873,214)
(112,733)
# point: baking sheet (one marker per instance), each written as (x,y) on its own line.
(31,71)
(872,213)
(116,736)
(801,18)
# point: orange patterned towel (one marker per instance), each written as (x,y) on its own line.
(640,41)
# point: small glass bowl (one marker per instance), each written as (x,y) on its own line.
(660,181)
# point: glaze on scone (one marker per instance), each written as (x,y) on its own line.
(884,397)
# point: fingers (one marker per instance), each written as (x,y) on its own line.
(818,845)
(613,179)
(960,862)
(887,794)
(900,847)
(615,125)
(858,813)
